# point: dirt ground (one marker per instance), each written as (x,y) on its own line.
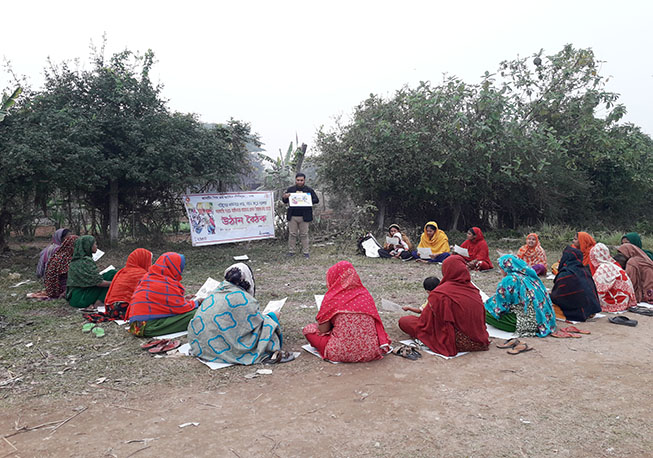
(573,397)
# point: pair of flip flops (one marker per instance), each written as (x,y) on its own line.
(279,357)
(155,346)
(91,327)
(641,310)
(407,351)
(623,319)
(514,346)
(570,332)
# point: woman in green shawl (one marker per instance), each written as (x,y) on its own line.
(635,239)
(85,285)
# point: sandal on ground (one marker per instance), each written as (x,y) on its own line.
(407,351)
(99,332)
(521,347)
(641,310)
(622,319)
(165,346)
(87,327)
(510,343)
(574,330)
(279,357)
(560,334)
(153,343)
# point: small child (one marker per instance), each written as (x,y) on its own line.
(430,283)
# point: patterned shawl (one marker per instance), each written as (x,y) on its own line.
(615,289)
(58,266)
(228,326)
(124,283)
(574,290)
(83,273)
(477,248)
(635,239)
(521,286)
(640,270)
(586,242)
(439,243)
(533,255)
(49,250)
(160,294)
(347,294)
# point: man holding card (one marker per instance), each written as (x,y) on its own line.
(300,199)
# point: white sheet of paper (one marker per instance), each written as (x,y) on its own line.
(550,276)
(207,288)
(318,301)
(424,253)
(120,322)
(300,199)
(275,306)
(498,333)
(243,257)
(371,248)
(107,270)
(430,352)
(101,308)
(392,240)
(390,306)
(484,297)
(461,251)
(174,335)
(97,255)
(185,350)
(313,351)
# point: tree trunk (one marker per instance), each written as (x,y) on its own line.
(380,216)
(113,212)
(299,157)
(5,219)
(455,217)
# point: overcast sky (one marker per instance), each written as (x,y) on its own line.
(289,67)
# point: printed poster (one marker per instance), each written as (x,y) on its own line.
(229,217)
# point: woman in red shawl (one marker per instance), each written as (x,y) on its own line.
(158,305)
(348,328)
(479,253)
(454,319)
(585,242)
(56,271)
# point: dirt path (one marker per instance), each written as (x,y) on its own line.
(581,397)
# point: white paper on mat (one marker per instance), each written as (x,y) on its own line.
(275,306)
(174,335)
(498,333)
(461,251)
(390,306)
(107,270)
(97,255)
(550,277)
(313,351)
(424,253)
(594,318)
(318,300)
(242,257)
(101,309)
(430,352)
(120,322)
(484,297)
(185,350)
(207,288)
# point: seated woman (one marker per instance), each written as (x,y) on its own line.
(401,251)
(533,254)
(158,305)
(348,328)
(454,318)
(57,239)
(229,327)
(479,253)
(85,285)
(436,240)
(56,272)
(574,294)
(521,303)
(124,283)
(615,289)
(639,269)
(584,242)
(635,239)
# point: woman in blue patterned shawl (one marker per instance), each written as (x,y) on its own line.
(229,327)
(521,303)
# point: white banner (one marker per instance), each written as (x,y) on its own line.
(230,216)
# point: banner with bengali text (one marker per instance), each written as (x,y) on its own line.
(229,217)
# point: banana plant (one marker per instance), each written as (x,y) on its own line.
(8,101)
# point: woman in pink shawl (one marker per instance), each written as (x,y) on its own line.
(615,289)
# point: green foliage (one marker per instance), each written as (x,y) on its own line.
(8,101)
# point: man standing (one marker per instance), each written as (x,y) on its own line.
(299,217)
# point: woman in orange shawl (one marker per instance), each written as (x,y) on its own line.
(584,242)
(124,283)
(436,240)
(533,254)
(479,253)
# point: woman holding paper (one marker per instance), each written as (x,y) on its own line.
(349,328)
(454,318)
(397,245)
(478,257)
(229,327)
(436,240)
(85,285)
(158,305)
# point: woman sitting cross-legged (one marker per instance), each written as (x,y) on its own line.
(533,254)
(635,239)
(615,289)
(46,253)
(229,327)
(85,285)
(402,250)
(479,253)
(639,268)
(436,240)
(56,271)
(454,318)
(158,305)
(348,328)
(521,303)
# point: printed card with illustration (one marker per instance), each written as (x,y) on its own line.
(300,199)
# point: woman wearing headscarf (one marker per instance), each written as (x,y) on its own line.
(615,289)
(85,285)
(348,328)
(56,272)
(574,292)
(521,303)
(402,250)
(158,305)
(584,242)
(635,239)
(640,271)
(479,253)
(229,327)
(454,318)
(533,254)
(436,240)
(47,252)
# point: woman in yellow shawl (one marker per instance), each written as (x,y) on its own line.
(436,240)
